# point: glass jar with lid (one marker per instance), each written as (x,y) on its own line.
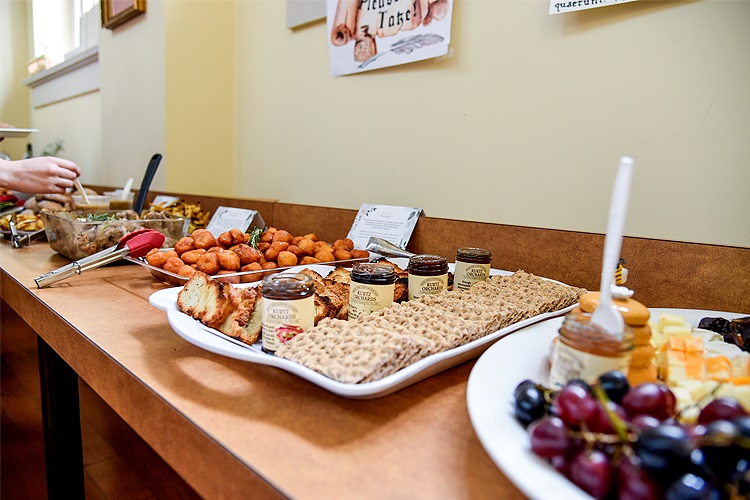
(371,288)
(428,274)
(472,266)
(288,308)
(585,350)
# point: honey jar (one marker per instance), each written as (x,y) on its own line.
(584,350)
(288,308)
(428,274)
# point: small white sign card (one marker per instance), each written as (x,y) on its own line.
(393,224)
(165,201)
(563,6)
(226,218)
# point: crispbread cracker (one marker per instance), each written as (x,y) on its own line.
(349,352)
(379,344)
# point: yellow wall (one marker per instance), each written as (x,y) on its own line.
(132,67)
(200,100)
(524,124)
(14,53)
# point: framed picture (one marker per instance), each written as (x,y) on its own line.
(117,12)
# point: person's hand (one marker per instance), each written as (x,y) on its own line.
(43,174)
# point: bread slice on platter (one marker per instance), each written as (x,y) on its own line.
(235,312)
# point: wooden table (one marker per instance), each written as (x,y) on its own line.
(234,429)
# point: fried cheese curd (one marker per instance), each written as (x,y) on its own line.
(232,252)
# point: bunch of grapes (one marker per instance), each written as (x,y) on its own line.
(614,441)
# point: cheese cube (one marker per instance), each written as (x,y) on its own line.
(684,330)
(666,319)
(719,368)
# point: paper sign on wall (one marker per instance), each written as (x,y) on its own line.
(560,6)
(393,224)
(226,218)
(369,34)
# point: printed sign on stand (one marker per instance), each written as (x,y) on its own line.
(226,218)
(393,224)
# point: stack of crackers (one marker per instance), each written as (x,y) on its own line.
(382,343)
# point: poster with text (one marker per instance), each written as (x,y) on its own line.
(372,34)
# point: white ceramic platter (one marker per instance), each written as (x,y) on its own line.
(16,132)
(489,397)
(211,340)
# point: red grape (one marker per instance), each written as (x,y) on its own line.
(592,472)
(721,409)
(633,482)
(576,407)
(549,437)
(602,422)
(643,422)
(650,398)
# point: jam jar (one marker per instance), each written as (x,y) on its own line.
(428,274)
(371,288)
(472,266)
(288,308)
(584,350)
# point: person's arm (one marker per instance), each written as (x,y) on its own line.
(43,174)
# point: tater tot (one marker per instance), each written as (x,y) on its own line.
(263,246)
(156,258)
(173,265)
(307,246)
(253,255)
(225,239)
(227,279)
(360,254)
(282,235)
(187,271)
(296,251)
(266,237)
(237,236)
(286,258)
(184,245)
(191,257)
(208,263)
(269,265)
(280,245)
(203,239)
(307,260)
(249,278)
(271,254)
(341,254)
(324,256)
(229,261)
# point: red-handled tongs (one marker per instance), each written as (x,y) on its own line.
(136,244)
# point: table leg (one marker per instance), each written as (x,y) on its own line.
(63,447)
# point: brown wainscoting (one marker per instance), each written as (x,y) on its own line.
(662,273)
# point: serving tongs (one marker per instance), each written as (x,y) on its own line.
(136,244)
(18,240)
(386,248)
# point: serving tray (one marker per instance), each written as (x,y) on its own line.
(214,341)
